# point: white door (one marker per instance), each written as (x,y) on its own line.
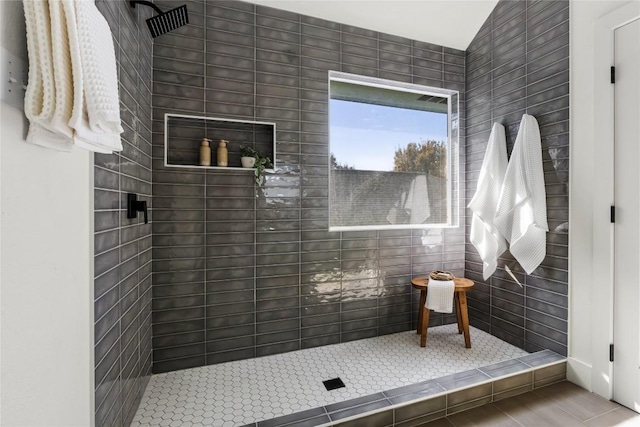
(626,335)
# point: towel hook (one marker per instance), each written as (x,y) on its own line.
(513,276)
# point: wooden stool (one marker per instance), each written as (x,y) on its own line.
(460,301)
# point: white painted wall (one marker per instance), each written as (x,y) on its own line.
(451,23)
(46,270)
(591,194)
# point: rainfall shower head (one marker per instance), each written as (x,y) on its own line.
(164,21)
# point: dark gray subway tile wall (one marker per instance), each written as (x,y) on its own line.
(241,271)
(123,246)
(519,63)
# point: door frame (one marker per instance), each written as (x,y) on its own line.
(603,229)
(626,293)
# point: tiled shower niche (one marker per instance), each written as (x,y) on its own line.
(241,271)
(183,135)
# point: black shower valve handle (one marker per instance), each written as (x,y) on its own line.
(134,206)
(143,204)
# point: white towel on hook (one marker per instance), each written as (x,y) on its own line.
(484,235)
(96,110)
(440,296)
(40,102)
(72,95)
(521,215)
(62,76)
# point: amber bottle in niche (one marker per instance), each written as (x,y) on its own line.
(223,153)
(205,152)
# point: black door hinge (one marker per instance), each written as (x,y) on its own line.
(613,214)
(610,352)
(613,74)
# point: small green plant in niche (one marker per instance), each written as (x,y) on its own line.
(260,164)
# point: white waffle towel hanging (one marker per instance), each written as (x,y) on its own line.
(521,215)
(484,235)
(96,110)
(72,95)
(440,295)
(41,97)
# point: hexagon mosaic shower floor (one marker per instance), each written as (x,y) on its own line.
(246,391)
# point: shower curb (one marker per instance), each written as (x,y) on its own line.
(415,404)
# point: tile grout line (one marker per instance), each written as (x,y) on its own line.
(526,109)
(300,190)
(254,10)
(507,414)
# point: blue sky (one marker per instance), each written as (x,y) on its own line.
(366,136)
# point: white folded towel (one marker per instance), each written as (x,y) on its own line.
(484,235)
(41,95)
(62,76)
(440,295)
(96,112)
(76,62)
(521,215)
(72,95)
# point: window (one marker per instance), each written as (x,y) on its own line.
(393,154)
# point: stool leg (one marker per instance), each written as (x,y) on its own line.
(423,300)
(424,325)
(465,319)
(456,299)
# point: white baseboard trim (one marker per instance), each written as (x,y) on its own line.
(579,373)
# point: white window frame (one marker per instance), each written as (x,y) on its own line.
(453,145)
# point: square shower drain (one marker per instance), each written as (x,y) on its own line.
(333,384)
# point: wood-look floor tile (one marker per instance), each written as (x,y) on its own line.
(621,417)
(441,422)
(575,400)
(484,416)
(417,422)
(559,405)
(530,410)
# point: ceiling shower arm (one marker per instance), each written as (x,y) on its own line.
(145,3)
